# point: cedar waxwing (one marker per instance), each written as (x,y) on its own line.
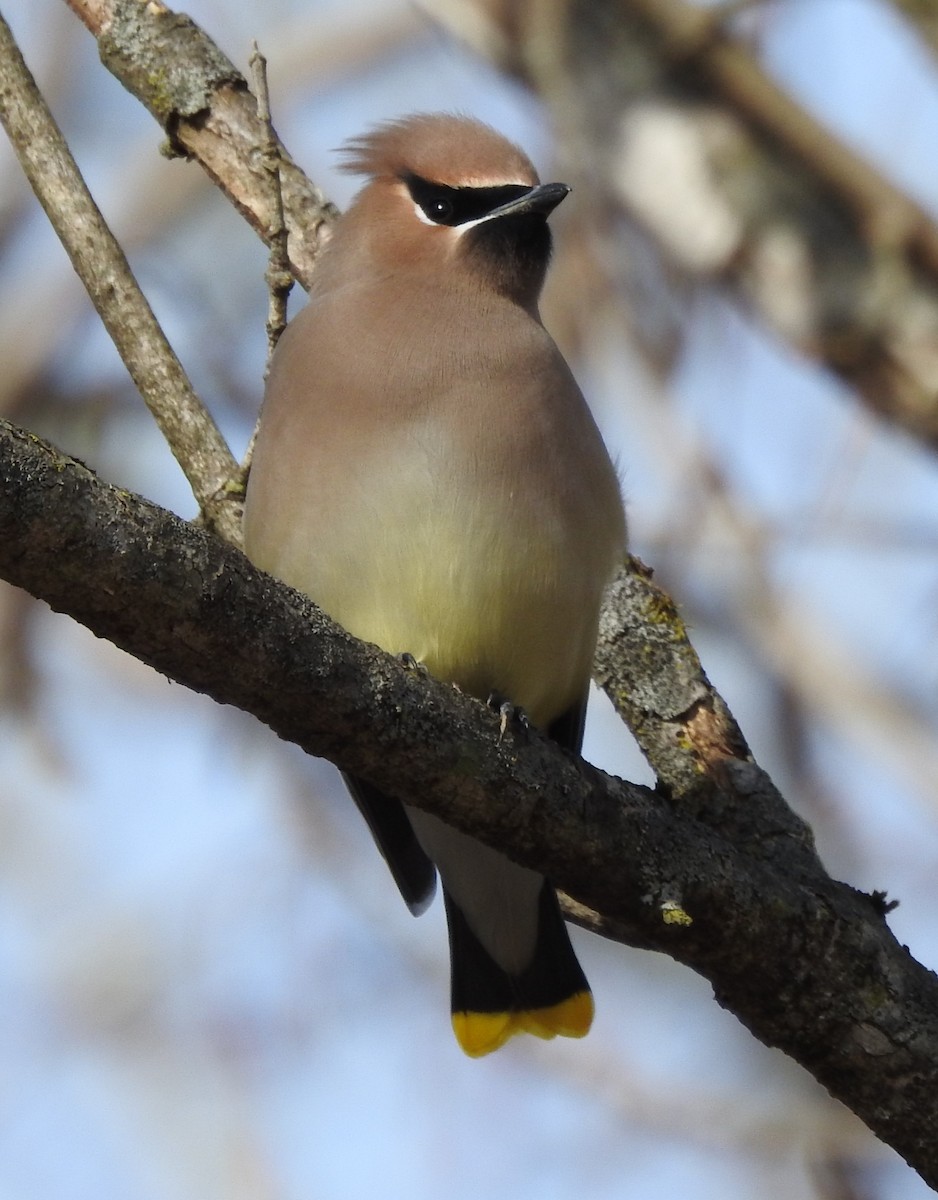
(428,472)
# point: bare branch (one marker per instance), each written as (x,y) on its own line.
(279,279)
(201,100)
(807,964)
(653,676)
(193,436)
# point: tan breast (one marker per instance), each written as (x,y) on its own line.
(462,509)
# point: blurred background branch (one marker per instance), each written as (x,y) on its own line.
(670,122)
(923,16)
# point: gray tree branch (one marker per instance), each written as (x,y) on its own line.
(807,964)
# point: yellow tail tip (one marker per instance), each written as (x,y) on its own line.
(480,1033)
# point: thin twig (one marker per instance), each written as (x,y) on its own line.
(278,277)
(193,436)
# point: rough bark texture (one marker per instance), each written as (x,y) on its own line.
(202,101)
(807,964)
(647,666)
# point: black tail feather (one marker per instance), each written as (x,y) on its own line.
(479,984)
(414,873)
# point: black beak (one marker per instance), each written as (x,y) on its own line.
(543,198)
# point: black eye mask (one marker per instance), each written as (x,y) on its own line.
(445,205)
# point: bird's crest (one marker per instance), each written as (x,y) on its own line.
(443,147)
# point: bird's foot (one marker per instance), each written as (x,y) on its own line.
(410,663)
(508,714)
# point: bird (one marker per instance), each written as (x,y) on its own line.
(427,470)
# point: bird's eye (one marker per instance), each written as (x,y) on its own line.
(440,209)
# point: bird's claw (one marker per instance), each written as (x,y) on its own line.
(508,714)
(407,660)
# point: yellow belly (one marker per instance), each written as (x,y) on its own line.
(489,609)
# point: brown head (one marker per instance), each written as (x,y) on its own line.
(448,194)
